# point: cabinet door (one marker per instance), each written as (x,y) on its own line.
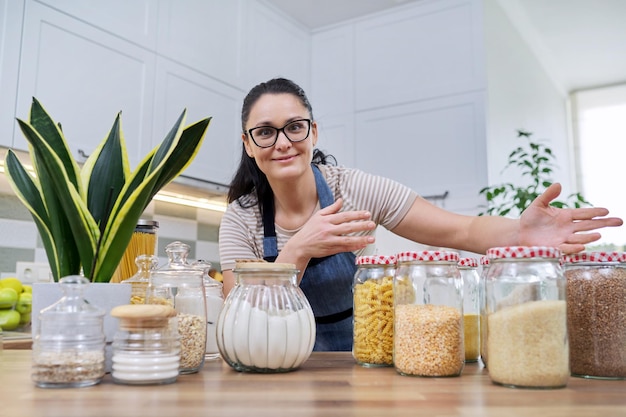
(179,88)
(84,77)
(11,14)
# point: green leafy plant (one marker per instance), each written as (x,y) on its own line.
(536,162)
(86,216)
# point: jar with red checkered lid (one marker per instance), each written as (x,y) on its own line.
(596,313)
(428,315)
(484,268)
(527,341)
(471,308)
(373,310)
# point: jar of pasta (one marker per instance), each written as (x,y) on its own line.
(527,338)
(484,263)
(373,310)
(471,308)
(428,315)
(142,242)
(596,314)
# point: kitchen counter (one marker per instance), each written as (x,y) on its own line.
(328,384)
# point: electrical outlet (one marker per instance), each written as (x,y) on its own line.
(29,272)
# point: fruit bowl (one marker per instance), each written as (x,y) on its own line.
(16,303)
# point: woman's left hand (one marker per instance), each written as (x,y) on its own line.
(542,224)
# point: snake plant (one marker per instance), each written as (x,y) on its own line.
(86,215)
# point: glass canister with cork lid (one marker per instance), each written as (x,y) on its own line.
(471,308)
(266,324)
(428,316)
(373,310)
(68,348)
(181,286)
(142,242)
(146,347)
(527,340)
(596,314)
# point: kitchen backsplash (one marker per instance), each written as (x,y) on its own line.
(20,242)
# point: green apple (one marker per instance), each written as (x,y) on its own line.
(25,318)
(8,298)
(24,303)
(9,319)
(27,288)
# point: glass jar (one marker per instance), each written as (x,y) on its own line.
(266,324)
(181,286)
(68,348)
(526,317)
(596,314)
(213,290)
(139,282)
(142,242)
(146,347)
(468,267)
(484,263)
(428,316)
(373,310)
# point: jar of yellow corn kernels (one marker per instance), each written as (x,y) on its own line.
(428,314)
(373,310)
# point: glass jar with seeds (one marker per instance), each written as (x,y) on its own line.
(471,308)
(527,340)
(181,285)
(596,314)
(428,314)
(68,347)
(373,310)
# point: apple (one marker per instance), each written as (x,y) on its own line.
(11,282)
(24,303)
(27,288)
(25,318)
(8,298)
(9,319)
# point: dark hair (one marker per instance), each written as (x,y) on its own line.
(248,176)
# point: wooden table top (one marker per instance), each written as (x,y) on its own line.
(328,384)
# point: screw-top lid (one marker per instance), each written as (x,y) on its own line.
(594,257)
(523,252)
(468,263)
(428,255)
(376,260)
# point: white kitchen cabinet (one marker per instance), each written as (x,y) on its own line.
(84,76)
(179,87)
(11,15)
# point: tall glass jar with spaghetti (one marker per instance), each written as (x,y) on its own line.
(428,315)
(373,310)
(471,308)
(142,242)
(527,339)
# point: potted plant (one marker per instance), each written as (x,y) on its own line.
(86,215)
(537,162)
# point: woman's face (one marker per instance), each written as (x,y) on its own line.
(286,159)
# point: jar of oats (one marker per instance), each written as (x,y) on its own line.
(596,314)
(181,286)
(527,338)
(68,347)
(471,308)
(428,315)
(373,310)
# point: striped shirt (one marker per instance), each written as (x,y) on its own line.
(241,229)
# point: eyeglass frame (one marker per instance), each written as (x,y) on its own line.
(282,129)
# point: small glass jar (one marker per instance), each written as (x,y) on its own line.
(484,263)
(471,308)
(142,242)
(146,347)
(527,338)
(181,286)
(596,314)
(428,316)
(266,324)
(373,310)
(139,282)
(213,290)
(68,348)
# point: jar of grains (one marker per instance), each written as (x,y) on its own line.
(68,348)
(484,263)
(596,313)
(428,315)
(266,324)
(373,310)
(527,339)
(181,286)
(146,347)
(471,308)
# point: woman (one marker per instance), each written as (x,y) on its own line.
(288,204)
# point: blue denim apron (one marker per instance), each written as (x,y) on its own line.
(327,282)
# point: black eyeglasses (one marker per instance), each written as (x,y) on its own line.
(266,136)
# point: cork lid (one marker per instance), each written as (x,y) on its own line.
(143,315)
